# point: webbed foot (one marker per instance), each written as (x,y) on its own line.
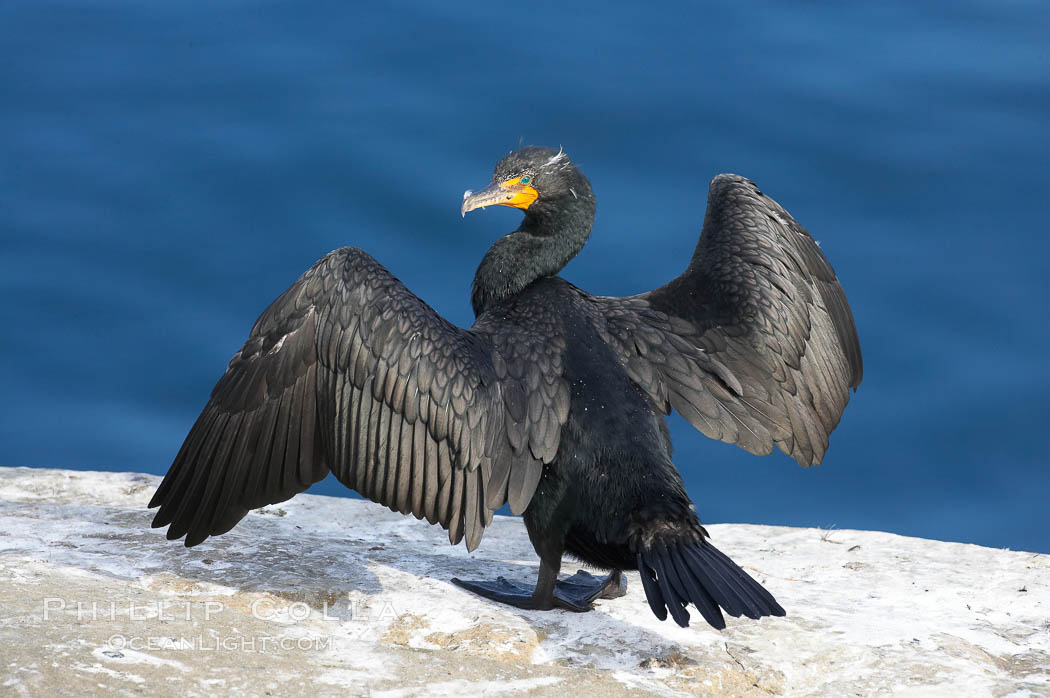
(518,596)
(583,587)
(574,593)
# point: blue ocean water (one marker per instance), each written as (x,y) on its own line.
(166,169)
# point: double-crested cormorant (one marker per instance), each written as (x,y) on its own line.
(554,400)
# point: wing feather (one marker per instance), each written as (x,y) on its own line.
(349,372)
(754,343)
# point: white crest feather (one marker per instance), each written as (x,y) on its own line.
(556,158)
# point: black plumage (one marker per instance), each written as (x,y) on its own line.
(552,402)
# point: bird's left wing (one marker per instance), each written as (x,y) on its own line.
(349,372)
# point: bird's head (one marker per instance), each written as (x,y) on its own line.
(559,211)
(540,181)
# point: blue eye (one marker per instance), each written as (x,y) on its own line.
(526,179)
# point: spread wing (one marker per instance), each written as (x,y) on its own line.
(754,344)
(349,372)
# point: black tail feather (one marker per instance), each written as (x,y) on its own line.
(757,601)
(699,573)
(652,590)
(694,590)
(736,598)
(671,592)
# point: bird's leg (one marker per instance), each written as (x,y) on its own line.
(575,593)
(615,586)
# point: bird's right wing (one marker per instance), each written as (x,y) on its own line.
(349,371)
(754,344)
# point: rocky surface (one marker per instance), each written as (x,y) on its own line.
(335,596)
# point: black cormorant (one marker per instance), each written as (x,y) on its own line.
(553,402)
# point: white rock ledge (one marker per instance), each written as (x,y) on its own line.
(331,596)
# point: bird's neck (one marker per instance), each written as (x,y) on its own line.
(539,248)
